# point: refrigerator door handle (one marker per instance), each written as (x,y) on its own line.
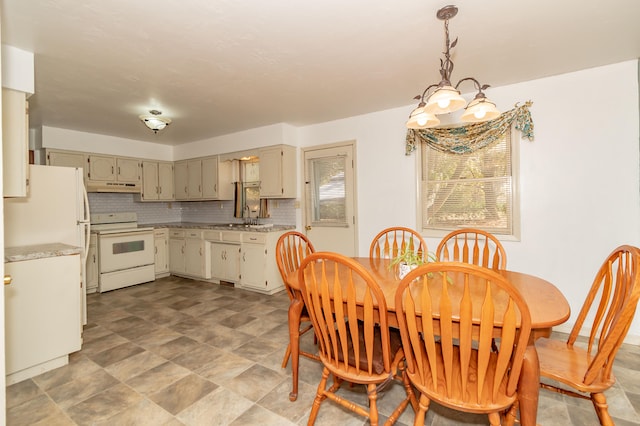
(86,222)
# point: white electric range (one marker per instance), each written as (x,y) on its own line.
(125,251)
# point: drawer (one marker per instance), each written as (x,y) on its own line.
(161,232)
(231,236)
(193,233)
(211,235)
(176,233)
(254,238)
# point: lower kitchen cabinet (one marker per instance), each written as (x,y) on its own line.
(225,262)
(176,251)
(197,255)
(225,255)
(258,269)
(92,270)
(161,243)
(189,254)
(43,323)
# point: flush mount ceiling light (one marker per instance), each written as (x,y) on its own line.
(154,121)
(446,97)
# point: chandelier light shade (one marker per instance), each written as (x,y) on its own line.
(445,97)
(154,121)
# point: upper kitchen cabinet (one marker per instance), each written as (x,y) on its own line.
(203,179)
(180,180)
(15,143)
(278,171)
(112,174)
(216,179)
(157,181)
(67,159)
(194,179)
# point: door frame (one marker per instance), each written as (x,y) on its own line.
(303,193)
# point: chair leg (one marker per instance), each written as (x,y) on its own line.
(287,353)
(319,397)
(602,409)
(407,386)
(510,415)
(494,419)
(422,410)
(373,404)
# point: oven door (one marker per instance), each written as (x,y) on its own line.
(125,250)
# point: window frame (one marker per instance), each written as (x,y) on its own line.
(515,208)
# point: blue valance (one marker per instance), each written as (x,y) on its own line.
(472,137)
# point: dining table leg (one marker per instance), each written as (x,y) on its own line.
(295,309)
(529,387)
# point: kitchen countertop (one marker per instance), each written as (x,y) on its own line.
(39,251)
(219,226)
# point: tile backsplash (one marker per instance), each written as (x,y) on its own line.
(282,212)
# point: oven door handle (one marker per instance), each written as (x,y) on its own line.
(119,234)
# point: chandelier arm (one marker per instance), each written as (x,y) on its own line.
(425,92)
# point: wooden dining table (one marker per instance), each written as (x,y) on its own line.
(547,306)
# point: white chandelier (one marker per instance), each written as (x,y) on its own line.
(446,97)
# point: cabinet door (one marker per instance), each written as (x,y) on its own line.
(92,265)
(217,261)
(66,159)
(225,262)
(102,168)
(150,187)
(232,263)
(194,179)
(165,181)
(210,178)
(161,252)
(43,318)
(180,180)
(252,266)
(193,252)
(127,170)
(176,256)
(15,143)
(271,172)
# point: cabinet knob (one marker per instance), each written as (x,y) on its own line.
(7,279)
(308,227)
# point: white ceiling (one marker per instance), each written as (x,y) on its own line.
(221,66)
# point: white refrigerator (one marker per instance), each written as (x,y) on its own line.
(56,210)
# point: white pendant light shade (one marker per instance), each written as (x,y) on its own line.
(420,119)
(154,121)
(444,100)
(479,110)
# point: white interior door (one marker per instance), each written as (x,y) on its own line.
(329,197)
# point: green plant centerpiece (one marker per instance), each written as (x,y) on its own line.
(408,259)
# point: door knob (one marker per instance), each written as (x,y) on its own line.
(308,227)
(7,279)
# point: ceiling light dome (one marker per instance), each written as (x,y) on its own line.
(154,121)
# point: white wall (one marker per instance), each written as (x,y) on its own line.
(72,140)
(17,69)
(580,177)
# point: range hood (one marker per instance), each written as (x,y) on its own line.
(102,186)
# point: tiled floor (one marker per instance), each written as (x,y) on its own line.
(178,352)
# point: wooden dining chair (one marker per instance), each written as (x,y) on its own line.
(291,248)
(355,342)
(395,240)
(610,305)
(473,246)
(448,314)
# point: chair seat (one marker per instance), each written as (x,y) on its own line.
(456,400)
(568,365)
